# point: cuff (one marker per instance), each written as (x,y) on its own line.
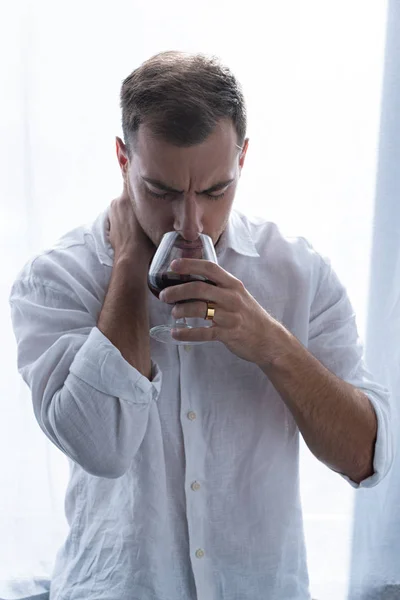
(383,454)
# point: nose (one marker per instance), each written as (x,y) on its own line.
(188,219)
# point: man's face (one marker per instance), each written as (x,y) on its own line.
(190,190)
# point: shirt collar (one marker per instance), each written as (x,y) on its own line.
(104,249)
(235,237)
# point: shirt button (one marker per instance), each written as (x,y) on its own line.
(199,553)
(195,486)
(191,415)
(188,348)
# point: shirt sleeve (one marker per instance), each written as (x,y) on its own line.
(334,340)
(89,401)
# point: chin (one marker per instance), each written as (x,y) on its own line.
(157,240)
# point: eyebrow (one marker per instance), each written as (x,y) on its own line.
(166,188)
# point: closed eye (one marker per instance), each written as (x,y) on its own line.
(165,195)
(215,196)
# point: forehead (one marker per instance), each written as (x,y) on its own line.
(216,156)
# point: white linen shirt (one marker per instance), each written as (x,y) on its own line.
(185,487)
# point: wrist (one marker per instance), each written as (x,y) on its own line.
(131,269)
(281,345)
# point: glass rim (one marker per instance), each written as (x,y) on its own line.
(201,235)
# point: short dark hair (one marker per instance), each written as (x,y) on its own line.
(181,97)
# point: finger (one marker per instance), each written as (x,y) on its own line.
(206,268)
(196,334)
(190,310)
(196,290)
(198,310)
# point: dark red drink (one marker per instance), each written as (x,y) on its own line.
(159,281)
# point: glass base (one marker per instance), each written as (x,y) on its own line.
(162,333)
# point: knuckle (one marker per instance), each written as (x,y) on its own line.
(213,269)
(239,284)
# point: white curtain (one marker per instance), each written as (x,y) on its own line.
(375,571)
(312,75)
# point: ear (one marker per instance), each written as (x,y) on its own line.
(122,155)
(243,153)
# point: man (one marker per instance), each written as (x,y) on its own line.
(184,464)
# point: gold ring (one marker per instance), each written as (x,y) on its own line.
(210,311)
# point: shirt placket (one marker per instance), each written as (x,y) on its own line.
(195,479)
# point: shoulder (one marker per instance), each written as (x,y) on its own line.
(290,265)
(68,266)
(273,245)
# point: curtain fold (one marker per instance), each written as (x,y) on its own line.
(375,568)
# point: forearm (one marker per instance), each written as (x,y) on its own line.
(100,432)
(337,421)
(124,318)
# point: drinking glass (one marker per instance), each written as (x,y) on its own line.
(174,246)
